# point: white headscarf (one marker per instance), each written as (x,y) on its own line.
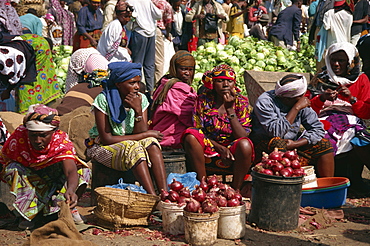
(351,52)
(293,89)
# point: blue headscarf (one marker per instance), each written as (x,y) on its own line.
(119,72)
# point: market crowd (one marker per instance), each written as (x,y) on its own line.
(132,64)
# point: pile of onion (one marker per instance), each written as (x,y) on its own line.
(280,163)
(207,197)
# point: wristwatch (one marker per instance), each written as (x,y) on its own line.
(231,116)
(353,100)
(139,118)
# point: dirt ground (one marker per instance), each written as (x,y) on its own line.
(354,229)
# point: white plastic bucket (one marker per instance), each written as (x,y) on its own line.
(309,181)
(201,228)
(172,218)
(231,224)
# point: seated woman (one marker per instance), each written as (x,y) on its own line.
(277,117)
(340,96)
(174,99)
(222,127)
(121,139)
(40,167)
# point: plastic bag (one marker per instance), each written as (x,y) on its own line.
(188,179)
(125,186)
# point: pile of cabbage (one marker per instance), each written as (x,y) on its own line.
(252,54)
(61,58)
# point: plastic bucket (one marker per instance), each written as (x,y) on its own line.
(231,224)
(172,218)
(174,162)
(275,202)
(201,229)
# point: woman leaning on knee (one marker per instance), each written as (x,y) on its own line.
(277,119)
(121,139)
(222,127)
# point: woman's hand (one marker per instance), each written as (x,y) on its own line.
(329,95)
(133,100)
(229,99)
(302,103)
(344,92)
(155,134)
(93,42)
(225,153)
(71,198)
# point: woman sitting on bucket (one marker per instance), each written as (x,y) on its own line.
(121,139)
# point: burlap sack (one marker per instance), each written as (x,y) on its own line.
(11,120)
(77,125)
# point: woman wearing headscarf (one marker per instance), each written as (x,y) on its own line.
(121,139)
(340,95)
(84,61)
(277,119)
(41,168)
(174,99)
(86,71)
(222,127)
(65,19)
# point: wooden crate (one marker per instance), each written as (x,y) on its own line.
(258,82)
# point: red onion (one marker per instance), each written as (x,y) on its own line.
(233,202)
(222,187)
(185,192)
(214,189)
(298,172)
(164,194)
(285,161)
(192,206)
(176,185)
(295,164)
(290,170)
(212,181)
(291,155)
(275,155)
(209,206)
(173,196)
(268,172)
(212,195)
(285,172)
(203,184)
(182,200)
(229,193)
(199,194)
(277,167)
(167,201)
(238,195)
(221,201)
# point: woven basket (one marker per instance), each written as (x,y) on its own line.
(117,208)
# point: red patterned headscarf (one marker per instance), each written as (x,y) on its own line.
(19,149)
(222,71)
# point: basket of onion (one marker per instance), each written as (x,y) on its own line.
(276,191)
